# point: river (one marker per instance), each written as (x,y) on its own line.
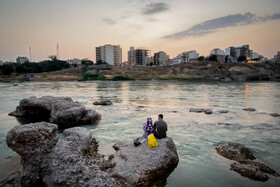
(195,134)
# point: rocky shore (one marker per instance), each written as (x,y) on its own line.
(75,161)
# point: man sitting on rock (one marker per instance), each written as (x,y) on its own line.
(160,127)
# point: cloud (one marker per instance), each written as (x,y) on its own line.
(154,8)
(109,21)
(222,22)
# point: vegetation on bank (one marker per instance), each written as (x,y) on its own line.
(93,76)
(32,67)
(98,76)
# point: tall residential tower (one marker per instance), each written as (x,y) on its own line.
(112,54)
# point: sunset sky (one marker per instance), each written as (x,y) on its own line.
(78,26)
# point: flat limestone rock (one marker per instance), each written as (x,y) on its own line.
(138,166)
(62,111)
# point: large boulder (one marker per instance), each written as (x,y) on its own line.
(47,161)
(32,142)
(75,161)
(245,165)
(138,166)
(62,111)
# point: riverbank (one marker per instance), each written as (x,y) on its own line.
(191,71)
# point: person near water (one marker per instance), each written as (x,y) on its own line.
(160,127)
(148,128)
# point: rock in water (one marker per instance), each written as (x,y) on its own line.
(200,110)
(246,166)
(249,172)
(274,114)
(249,109)
(75,161)
(223,111)
(208,111)
(62,111)
(138,166)
(104,103)
(235,151)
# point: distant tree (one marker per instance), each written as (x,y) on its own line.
(201,58)
(7,69)
(87,62)
(151,64)
(213,58)
(100,62)
(53,57)
(241,58)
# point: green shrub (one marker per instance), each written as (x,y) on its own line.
(121,78)
(93,76)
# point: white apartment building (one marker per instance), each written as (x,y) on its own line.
(160,57)
(185,57)
(131,57)
(112,54)
(21,60)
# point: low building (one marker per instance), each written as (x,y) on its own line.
(21,60)
(255,56)
(1,62)
(74,61)
(160,58)
(219,53)
(185,57)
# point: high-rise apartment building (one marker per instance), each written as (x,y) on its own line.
(137,56)
(131,58)
(160,58)
(112,54)
(140,56)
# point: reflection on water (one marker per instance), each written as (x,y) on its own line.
(194,134)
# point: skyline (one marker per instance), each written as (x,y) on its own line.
(80,26)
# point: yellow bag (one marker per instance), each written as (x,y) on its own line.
(152,142)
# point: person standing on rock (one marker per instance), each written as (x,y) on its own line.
(160,127)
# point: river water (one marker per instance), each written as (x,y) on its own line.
(195,134)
